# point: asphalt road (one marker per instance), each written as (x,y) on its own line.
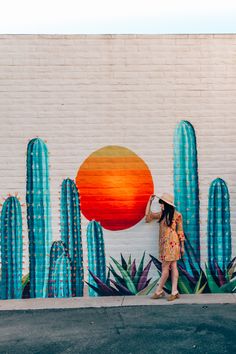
(141,329)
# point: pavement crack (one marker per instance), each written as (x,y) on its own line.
(120,327)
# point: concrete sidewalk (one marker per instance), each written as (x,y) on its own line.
(112,301)
(178,329)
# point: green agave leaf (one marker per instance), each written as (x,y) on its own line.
(139,271)
(197,289)
(184,285)
(202,288)
(228,276)
(117,277)
(148,289)
(128,281)
(129,265)
(211,282)
(230,287)
(232,263)
(25,280)
(108,277)
(129,260)
(123,262)
(231,270)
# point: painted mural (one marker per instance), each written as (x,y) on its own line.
(111,189)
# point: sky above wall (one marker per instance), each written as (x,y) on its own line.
(117,17)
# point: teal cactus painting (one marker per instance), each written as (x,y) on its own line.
(11,249)
(71,233)
(59,280)
(186,187)
(56,268)
(38,216)
(96,254)
(218,227)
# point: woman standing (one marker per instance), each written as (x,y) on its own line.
(171,242)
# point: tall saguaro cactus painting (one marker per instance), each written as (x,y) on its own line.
(219,230)
(38,216)
(186,187)
(71,233)
(11,249)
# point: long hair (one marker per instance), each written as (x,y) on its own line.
(167,213)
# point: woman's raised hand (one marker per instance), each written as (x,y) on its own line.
(152,196)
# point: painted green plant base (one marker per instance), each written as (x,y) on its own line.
(38,216)
(71,233)
(218,228)
(11,249)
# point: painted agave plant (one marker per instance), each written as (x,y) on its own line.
(128,279)
(224,281)
(213,280)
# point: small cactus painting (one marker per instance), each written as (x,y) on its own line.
(218,227)
(11,249)
(59,282)
(96,253)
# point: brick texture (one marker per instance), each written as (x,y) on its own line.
(80,93)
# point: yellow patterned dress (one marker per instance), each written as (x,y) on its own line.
(169,237)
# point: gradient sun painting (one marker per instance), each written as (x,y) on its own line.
(114,185)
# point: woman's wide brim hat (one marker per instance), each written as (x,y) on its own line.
(168,198)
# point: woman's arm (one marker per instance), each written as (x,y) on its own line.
(180,233)
(149,216)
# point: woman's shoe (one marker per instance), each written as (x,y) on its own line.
(173,297)
(158,296)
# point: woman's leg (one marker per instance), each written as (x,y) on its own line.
(164,276)
(174,277)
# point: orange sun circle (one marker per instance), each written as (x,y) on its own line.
(114,185)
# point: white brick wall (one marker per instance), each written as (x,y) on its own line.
(81,93)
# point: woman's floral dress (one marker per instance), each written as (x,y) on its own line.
(169,237)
